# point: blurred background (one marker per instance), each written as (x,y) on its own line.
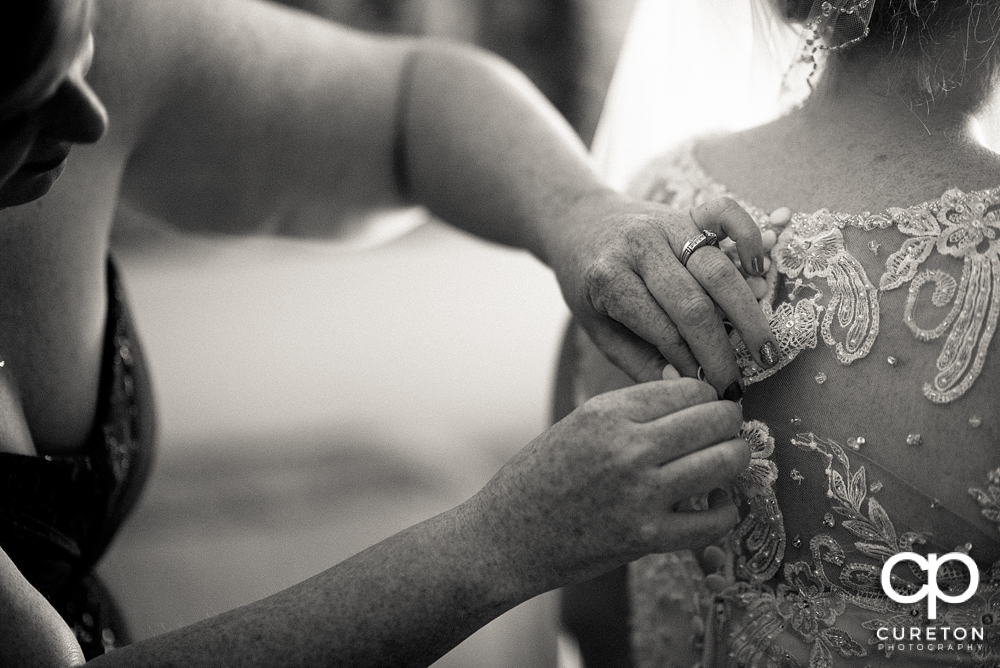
(316,398)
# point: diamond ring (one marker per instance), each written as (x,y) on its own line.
(706,238)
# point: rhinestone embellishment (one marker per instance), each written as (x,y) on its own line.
(914,439)
(820,378)
(855,442)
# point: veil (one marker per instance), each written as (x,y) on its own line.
(689,67)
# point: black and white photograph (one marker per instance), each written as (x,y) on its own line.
(499,333)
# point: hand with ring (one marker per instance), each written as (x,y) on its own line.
(650,286)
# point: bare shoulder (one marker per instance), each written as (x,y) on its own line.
(790,163)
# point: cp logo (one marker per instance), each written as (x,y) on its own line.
(930,590)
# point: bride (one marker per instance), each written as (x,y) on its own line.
(876,432)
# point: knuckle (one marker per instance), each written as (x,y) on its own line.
(697,391)
(601,274)
(692,392)
(597,406)
(669,339)
(650,368)
(715,267)
(601,280)
(695,309)
(638,226)
(728,205)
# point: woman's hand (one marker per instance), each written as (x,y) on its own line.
(617,262)
(603,486)
(32,634)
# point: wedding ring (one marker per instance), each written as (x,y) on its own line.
(706,238)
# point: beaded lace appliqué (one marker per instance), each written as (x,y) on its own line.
(826,294)
(963,226)
(842,570)
(959,225)
(759,539)
(810,252)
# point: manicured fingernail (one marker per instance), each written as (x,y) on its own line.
(734,392)
(757,264)
(768,354)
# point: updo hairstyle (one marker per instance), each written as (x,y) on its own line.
(948,43)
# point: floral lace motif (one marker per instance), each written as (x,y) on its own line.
(825,596)
(839,575)
(989,501)
(759,539)
(811,249)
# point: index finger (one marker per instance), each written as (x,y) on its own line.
(650,401)
(720,278)
(693,428)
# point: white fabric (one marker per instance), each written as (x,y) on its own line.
(687,67)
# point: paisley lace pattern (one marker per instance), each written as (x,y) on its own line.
(811,250)
(760,537)
(841,576)
(819,602)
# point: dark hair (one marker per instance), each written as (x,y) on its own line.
(954,42)
(28,29)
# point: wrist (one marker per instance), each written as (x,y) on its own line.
(561,229)
(507,561)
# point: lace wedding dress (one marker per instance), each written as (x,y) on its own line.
(875,434)
(805,589)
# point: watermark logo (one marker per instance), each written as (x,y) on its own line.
(930,591)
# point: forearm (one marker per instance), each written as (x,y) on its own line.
(403,602)
(482,149)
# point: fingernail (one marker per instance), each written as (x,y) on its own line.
(768,354)
(734,392)
(757,264)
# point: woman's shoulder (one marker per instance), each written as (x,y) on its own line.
(676,178)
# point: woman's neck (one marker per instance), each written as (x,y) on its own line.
(858,144)
(859,101)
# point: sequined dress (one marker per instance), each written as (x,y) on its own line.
(59,514)
(873,435)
